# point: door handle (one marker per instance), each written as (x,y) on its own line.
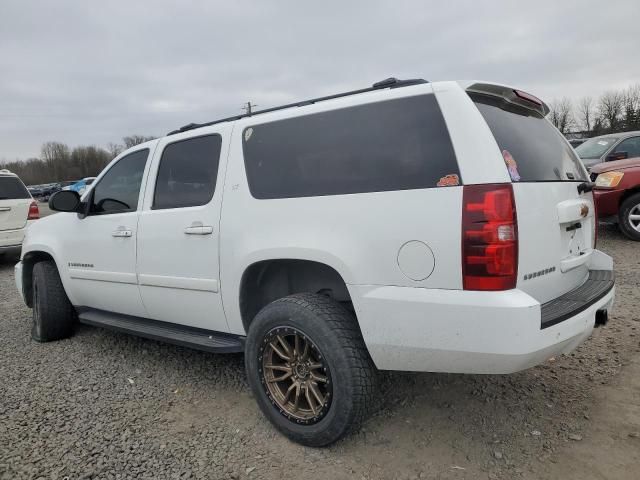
(5,209)
(198,230)
(122,233)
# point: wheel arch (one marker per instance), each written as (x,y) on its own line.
(267,280)
(628,193)
(29,260)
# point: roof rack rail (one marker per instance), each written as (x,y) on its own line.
(390,82)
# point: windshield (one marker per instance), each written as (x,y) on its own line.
(595,147)
(533,149)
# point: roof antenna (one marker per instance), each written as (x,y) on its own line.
(248,107)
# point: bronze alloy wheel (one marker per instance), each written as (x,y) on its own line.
(295,375)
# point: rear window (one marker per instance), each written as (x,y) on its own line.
(397,144)
(533,149)
(12,189)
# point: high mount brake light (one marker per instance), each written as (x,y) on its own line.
(34,211)
(528,97)
(489,237)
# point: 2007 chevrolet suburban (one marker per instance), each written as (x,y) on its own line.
(444,227)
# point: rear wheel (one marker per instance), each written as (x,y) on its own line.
(309,368)
(53,314)
(629,217)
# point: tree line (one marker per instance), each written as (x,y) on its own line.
(613,111)
(59,163)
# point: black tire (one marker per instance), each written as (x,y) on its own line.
(629,205)
(335,333)
(53,314)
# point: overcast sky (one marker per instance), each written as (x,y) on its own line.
(89,72)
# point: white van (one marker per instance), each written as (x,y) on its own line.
(17,209)
(443,227)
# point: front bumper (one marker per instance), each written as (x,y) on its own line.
(18,279)
(457,331)
(607,201)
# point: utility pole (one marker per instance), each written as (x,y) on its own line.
(248,107)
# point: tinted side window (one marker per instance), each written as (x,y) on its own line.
(397,144)
(630,145)
(119,189)
(12,189)
(187,173)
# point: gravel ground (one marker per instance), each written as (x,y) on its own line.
(104,405)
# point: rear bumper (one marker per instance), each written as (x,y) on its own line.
(10,248)
(11,239)
(457,331)
(599,283)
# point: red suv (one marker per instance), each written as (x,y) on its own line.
(617,193)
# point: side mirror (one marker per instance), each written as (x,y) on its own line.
(64,201)
(617,156)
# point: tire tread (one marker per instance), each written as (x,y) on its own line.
(57,315)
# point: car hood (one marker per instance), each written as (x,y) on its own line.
(616,165)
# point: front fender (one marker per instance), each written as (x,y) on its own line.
(43,238)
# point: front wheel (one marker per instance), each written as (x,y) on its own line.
(53,314)
(629,217)
(309,369)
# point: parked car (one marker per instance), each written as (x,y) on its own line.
(617,194)
(443,227)
(17,210)
(35,190)
(67,183)
(81,185)
(48,190)
(577,141)
(607,148)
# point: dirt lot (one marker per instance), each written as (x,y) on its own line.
(103,405)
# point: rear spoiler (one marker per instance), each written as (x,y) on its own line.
(511,95)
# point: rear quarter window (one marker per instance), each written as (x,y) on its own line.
(398,144)
(11,188)
(538,149)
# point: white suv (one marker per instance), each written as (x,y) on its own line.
(443,227)
(17,210)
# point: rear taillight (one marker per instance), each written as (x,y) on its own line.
(34,212)
(489,237)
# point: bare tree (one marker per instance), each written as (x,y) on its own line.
(561,114)
(586,113)
(631,108)
(54,155)
(114,149)
(87,161)
(610,109)
(133,140)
